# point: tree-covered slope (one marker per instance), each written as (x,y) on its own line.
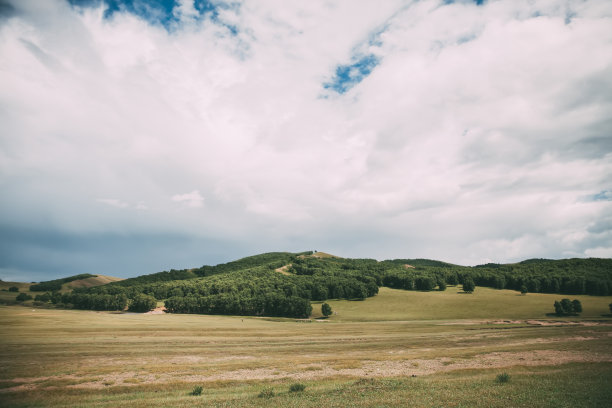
(254,286)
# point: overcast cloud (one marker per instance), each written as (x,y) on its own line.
(138,136)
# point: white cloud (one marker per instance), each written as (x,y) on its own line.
(477,136)
(193,199)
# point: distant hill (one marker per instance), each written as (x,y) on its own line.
(96,280)
(284,283)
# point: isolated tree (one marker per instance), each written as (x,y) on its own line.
(523,290)
(326,309)
(468,285)
(568,307)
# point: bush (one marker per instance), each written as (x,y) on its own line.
(326,309)
(267,392)
(297,387)
(441,285)
(523,290)
(568,307)
(142,303)
(503,378)
(197,390)
(22,297)
(468,285)
(13,289)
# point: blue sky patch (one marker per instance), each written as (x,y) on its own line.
(605,195)
(347,76)
(158,11)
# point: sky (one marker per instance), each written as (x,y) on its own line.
(139,136)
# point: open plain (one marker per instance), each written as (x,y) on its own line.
(400,348)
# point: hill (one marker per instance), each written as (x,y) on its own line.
(254,286)
(96,280)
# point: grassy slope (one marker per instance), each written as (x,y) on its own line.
(89,282)
(66,287)
(484,303)
(155,360)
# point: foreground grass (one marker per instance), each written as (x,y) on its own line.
(574,385)
(364,356)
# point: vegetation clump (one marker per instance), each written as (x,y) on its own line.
(503,378)
(267,392)
(22,297)
(567,307)
(468,285)
(13,289)
(326,309)
(142,304)
(297,387)
(197,390)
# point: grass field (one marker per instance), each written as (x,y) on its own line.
(401,348)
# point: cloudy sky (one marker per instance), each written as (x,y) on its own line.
(138,136)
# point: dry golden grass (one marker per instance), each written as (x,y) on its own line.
(112,358)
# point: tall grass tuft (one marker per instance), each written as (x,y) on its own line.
(503,378)
(197,390)
(297,387)
(267,392)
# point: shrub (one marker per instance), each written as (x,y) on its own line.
(142,303)
(267,392)
(13,289)
(197,390)
(22,297)
(326,309)
(523,290)
(568,307)
(503,378)
(468,285)
(297,387)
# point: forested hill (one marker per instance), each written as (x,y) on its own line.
(284,284)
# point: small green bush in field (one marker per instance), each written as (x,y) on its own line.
(503,378)
(197,390)
(297,387)
(267,392)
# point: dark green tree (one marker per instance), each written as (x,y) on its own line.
(441,285)
(142,303)
(326,309)
(523,290)
(577,306)
(13,289)
(468,285)
(558,308)
(23,297)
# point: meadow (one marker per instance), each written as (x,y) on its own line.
(399,348)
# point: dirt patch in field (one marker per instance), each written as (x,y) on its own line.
(157,310)
(365,368)
(531,322)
